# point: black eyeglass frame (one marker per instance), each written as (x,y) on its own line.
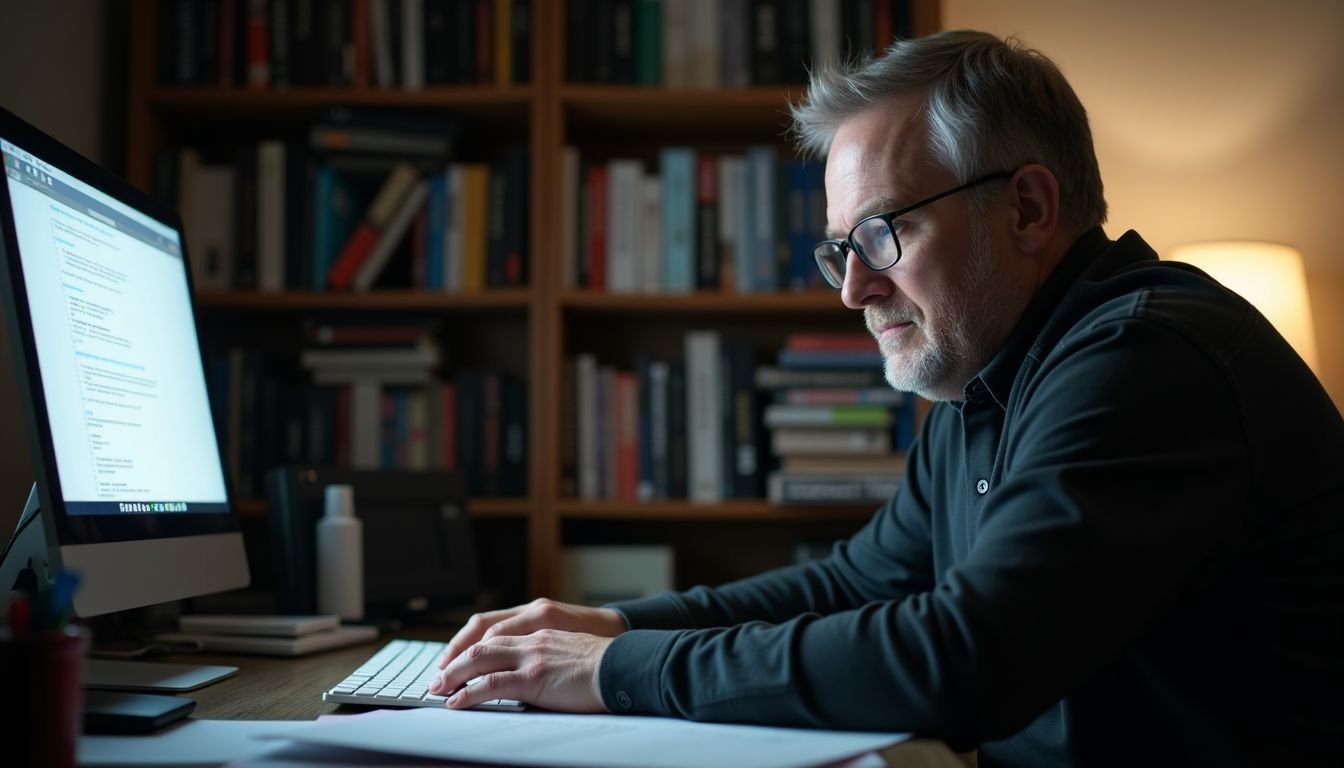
(847,246)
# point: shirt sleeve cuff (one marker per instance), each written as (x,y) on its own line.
(662,611)
(629,674)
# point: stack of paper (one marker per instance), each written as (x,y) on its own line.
(431,736)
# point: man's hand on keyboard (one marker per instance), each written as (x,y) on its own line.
(549,668)
(523,620)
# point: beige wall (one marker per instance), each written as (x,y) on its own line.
(1213,119)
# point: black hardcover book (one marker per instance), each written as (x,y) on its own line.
(513,414)
(207,42)
(522,41)
(623,41)
(765,42)
(744,426)
(604,41)
(438,31)
(307,42)
(470,409)
(463,64)
(578,39)
(334,27)
(494,223)
(707,223)
(281,40)
(516,217)
(856,22)
(676,431)
(245,208)
(796,46)
(298,217)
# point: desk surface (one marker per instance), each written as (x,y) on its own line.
(269,688)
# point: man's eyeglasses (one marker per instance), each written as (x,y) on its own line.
(874,237)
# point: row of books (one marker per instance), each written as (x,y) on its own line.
(852,436)
(369,199)
(361,43)
(723,43)
(363,409)
(716,425)
(739,223)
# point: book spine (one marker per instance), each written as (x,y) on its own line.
(707,224)
(704,409)
(586,410)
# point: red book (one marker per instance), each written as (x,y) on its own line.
(627,436)
(485,38)
(342,273)
(359,33)
(830,342)
(597,227)
(258,44)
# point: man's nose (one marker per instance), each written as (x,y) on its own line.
(863,286)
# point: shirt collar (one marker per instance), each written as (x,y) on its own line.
(998,376)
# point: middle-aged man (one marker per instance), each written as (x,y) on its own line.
(1120,534)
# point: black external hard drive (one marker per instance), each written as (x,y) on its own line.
(117,712)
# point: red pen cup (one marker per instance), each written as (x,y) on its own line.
(45,704)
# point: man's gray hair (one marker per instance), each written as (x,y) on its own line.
(991,105)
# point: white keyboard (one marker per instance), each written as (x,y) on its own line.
(398,675)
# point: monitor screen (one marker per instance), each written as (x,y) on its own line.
(116,348)
(130,485)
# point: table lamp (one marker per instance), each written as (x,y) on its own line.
(1268,275)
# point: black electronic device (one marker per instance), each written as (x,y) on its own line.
(419,551)
(132,713)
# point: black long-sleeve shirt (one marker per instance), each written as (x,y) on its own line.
(1125,543)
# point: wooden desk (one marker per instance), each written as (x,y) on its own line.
(267,688)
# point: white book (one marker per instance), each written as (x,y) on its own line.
(802,441)
(676,41)
(702,45)
(625,182)
(207,215)
(586,414)
(732,247)
(366,423)
(456,227)
(271,215)
(274,626)
(390,237)
(380,39)
(824,24)
(412,44)
(650,245)
(569,216)
(704,417)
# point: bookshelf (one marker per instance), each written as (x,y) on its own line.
(535,328)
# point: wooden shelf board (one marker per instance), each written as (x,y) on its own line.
(267,102)
(715,303)
(739,510)
(494,508)
(748,111)
(494,299)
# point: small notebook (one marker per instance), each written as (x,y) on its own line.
(271,626)
(275,646)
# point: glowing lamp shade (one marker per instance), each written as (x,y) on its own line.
(1269,276)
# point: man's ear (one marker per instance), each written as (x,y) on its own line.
(1033,194)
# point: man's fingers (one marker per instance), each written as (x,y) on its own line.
(471,633)
(495,685)
(480,659)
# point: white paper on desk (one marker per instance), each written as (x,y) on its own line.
(592,741)
(192,742)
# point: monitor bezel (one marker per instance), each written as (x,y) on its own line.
(86,529)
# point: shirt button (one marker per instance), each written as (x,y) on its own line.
(982,486)
(623,700)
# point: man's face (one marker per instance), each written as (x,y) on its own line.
(940,312)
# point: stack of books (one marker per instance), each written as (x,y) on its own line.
(838,431)
(267,635)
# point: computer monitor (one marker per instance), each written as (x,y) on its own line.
(130,490)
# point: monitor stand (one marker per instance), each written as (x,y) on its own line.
(26,567)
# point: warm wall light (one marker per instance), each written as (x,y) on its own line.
(1268,275)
